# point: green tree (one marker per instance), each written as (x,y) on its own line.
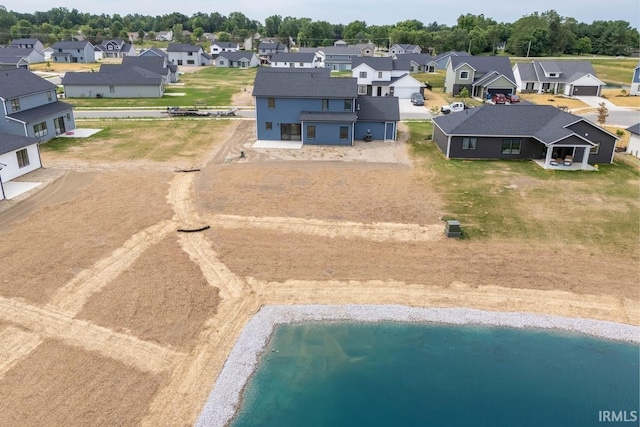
(272,25)
(354,32)
(583,45)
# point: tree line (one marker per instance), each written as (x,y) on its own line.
(537,34)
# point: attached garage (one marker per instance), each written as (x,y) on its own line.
(585,90)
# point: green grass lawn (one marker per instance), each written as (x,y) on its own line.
(520,200)
(213,86)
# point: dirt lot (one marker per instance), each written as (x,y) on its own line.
(110,316)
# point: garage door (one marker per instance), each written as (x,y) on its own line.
(502,91)
(585,90)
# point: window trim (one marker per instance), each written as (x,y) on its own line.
(460,75)
(268,126)
(347,104)
(40,130)
(311,132)
(344,129)
(595,150)
(469,143)
(271,103)
(15,104)
(325,104)
(513,142)
(363,74)
(23,158)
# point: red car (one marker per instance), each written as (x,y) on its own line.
(513,98)
(498,98)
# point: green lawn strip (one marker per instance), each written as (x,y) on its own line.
(520,200)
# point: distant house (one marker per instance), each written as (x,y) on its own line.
(31,114)
(138,77)
(398,49)
(115,48)
(537,132)
(367,49)
(635,81)
(443,59)
(420,62)
(188,54)
(11,58)
(294,60)
(28,44)
(75,51)
(482,76)
(337,58)
(572,78)
(242,59)
(48,53)
(154,52)
(634,141)
(164,36)
(310,106)
(267,49)
(218,47)
(384,76)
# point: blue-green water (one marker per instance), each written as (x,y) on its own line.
(406,374)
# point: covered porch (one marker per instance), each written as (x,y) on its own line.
(568,154)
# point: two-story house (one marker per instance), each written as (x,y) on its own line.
(310,106)
(385,76)
(74,51)
(635,81)
(339,58)
(267,48)
(31,114)
(115,48)
(218,47)
(420,62)
(28,43)
(573,78)
(30,49)
(482,76)
(188,54)
(398,49)
(164,36)
(154,52)
(294,60)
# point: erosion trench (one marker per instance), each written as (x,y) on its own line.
(187,373)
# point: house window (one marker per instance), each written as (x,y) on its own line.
(379,74)
(464,75)
(311,132)
(189,53)
(344,132)
(510,146)
(595,149)
(268,126)
(15,104)
(49,96)
(40,130)
(272,103)
(362,89)
(363,74)
(347,105)
(179,61)
(23,158)
(325,104)
(301,64)
(190,62)
(112,89)
(469,143)
(221,62)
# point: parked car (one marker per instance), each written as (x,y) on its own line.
(417,99)
(498,98)
(513,98)
(454,107)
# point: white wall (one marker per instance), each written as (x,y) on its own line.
(634,146)
(12,170)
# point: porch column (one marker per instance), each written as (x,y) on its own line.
(585,159)
(547,159)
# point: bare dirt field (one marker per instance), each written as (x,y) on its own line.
(111,316)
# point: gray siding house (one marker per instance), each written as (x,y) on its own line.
(154,52)
(267,49)
(481,75)
(77,51)
(115,48)
(443,59)
(188,54)
(242,59)
(419,62)
(525,132)
(339,58)
(398,49)
(114,82)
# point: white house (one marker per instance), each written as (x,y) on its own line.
(18,155)
(188,54)
(218,47)
(571,78)
(384,76)
(242,59)
(294,60)
(634,142)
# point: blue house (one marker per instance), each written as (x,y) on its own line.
(73,51)
(635,83)
(310,106)
(339,58)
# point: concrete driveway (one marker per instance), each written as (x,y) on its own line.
(410,111)
(595,101)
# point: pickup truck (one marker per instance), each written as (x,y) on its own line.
(453,107)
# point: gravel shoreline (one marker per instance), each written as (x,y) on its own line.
(223,400)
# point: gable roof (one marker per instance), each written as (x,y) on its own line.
(19,82)
(112,74)
(24,41)
(378,108)
(635,129)
(271,45)
(418,58)
(237,56)
(183,47)
(485,64)
(9,143)
(451,53)
(44,110)
(225,45)
(293,57)
(567,71)
(341,50)
(378,63)
(71,45)
(546,123)
(302,83)
(155,51)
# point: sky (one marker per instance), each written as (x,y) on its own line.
(372,12)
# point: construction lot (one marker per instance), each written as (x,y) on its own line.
(111,316)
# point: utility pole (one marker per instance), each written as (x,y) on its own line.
(529,48)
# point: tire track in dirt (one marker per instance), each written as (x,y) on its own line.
(457,294)
(15,345)
(56,324)
(72,296)
(196,374)
(376,231)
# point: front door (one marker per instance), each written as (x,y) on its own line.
(290,132)
(379,91)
